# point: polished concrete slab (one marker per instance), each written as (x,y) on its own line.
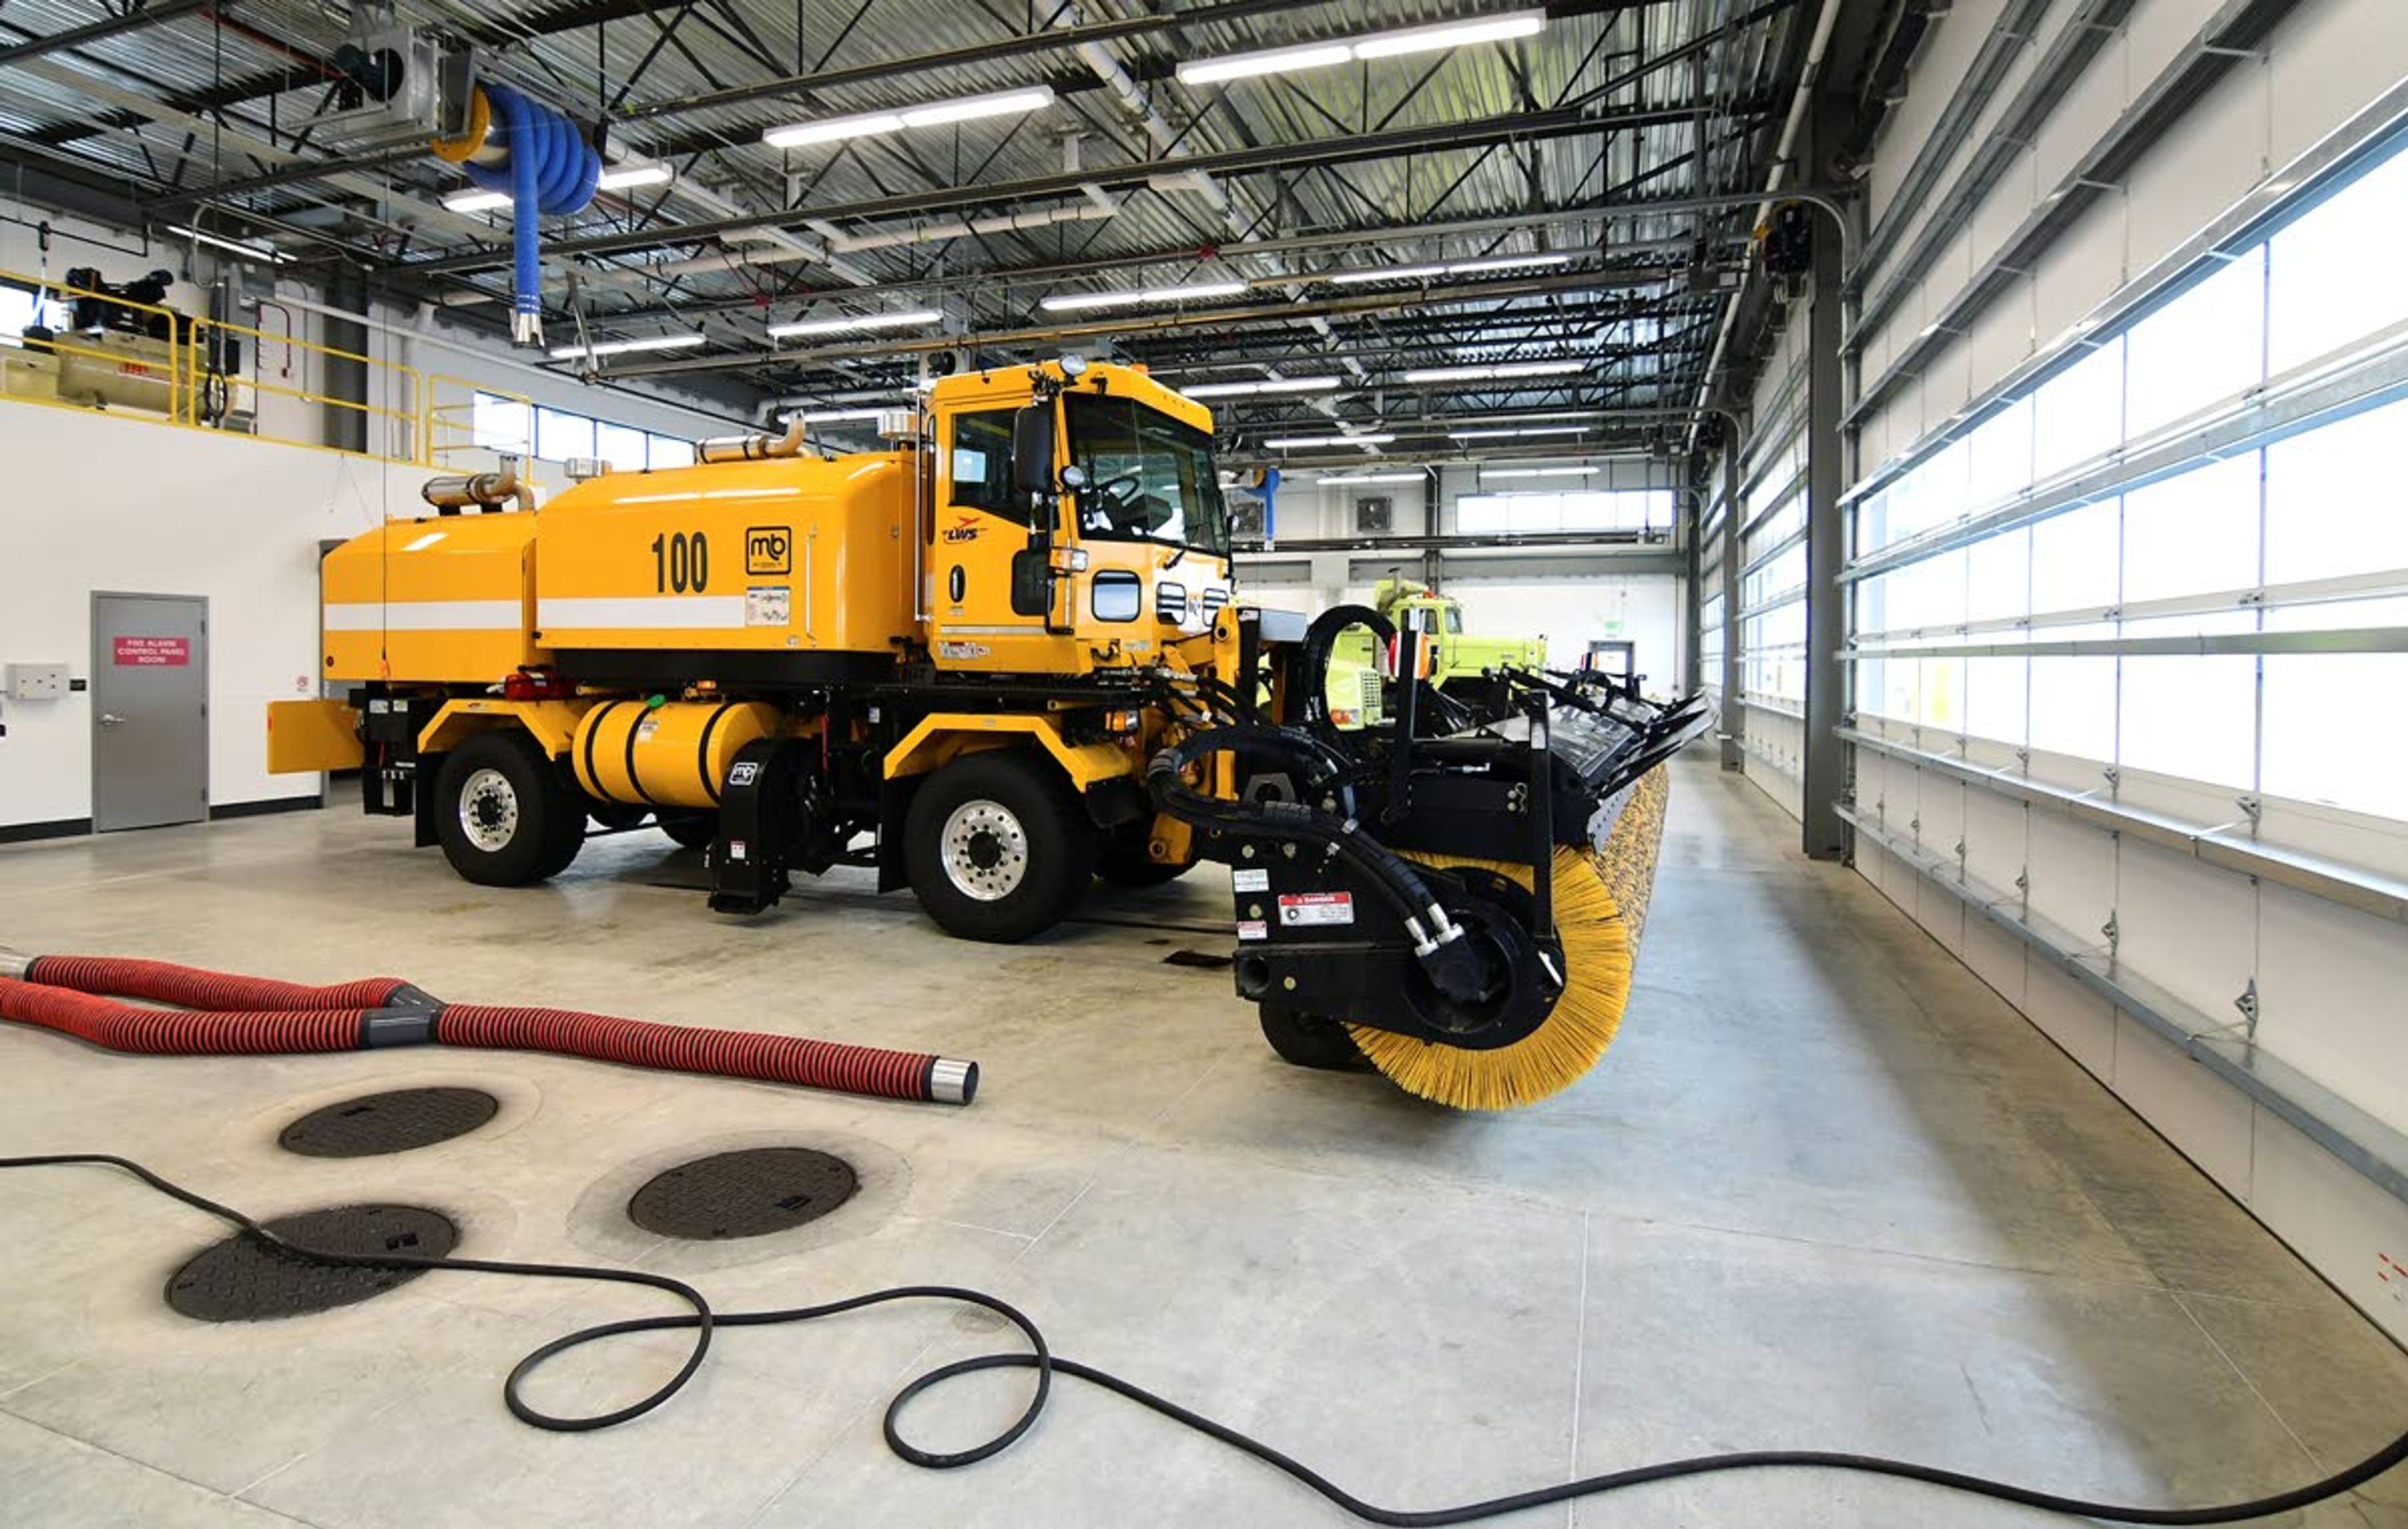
(1826,1192)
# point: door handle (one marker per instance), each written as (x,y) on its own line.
(107,720)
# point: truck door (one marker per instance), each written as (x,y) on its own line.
(976,525)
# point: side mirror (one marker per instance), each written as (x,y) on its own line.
(1032,583)
(1032,449)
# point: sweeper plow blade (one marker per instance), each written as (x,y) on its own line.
(1600,906)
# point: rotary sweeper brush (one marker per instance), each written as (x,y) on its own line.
(992,661)
(1454,899)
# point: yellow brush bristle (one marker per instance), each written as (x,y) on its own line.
(1601,904)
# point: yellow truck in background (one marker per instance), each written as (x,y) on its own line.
(1462,666)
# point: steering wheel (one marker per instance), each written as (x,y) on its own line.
(1122,491)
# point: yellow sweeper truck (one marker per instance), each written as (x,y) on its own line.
(990,661)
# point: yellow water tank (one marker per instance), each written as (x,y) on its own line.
(673,755)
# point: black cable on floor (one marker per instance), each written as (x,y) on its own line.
(704,1322)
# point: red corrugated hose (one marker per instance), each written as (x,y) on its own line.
(220,1013)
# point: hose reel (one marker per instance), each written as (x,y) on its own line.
(537,157)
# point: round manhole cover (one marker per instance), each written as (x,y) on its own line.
(243,1280)
(743,1195)
(397,1122)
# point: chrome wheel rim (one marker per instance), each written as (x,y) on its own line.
(489,811)
(984,850)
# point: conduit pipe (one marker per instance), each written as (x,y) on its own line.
(1817,47)
(223,1014)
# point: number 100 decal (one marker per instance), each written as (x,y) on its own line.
(681,562)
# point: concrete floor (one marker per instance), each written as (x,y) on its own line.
(1826,1192)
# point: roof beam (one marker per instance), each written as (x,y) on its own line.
(1270,157)
(100,31)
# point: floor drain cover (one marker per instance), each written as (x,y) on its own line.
(743,1195)
(398,1121)
(243,1280)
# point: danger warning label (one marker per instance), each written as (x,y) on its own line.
(1299,908)
(153,652)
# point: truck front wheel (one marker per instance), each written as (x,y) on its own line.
(503,813)
(1126,861)
(996,846)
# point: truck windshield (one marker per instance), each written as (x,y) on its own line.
(1150,478)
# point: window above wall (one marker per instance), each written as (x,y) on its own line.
(504,423)
(1583,510)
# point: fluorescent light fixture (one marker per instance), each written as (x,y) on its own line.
(1371,478)
(1506,263)
(627,176)
(935,114)
(970,108)
(1536,472)
(1426,39)
(856,321)
(1321,55)
(839,416)
(1386,273)
(621,347)
(1503,369)
(832,129)
(1072,301)
(477,201)
(1214,71)
(1457,267)
(1520,430)
(232,246)
(1303,444)
(1271,385)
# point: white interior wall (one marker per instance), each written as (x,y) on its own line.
(97,502)
(2328,978)
(2325,61)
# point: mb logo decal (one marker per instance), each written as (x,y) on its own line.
(768,549)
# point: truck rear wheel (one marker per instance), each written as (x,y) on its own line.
(996,847)
(692,831)
(504,814)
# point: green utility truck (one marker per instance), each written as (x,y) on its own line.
(1460,664)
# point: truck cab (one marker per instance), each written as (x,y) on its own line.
(1077,521)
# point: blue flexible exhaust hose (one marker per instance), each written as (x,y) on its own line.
(547,169)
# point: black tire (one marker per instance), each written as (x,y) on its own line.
(1308,1040)
(617,817)
(1022,850)
(529,825)
(692,831)
(1125,861)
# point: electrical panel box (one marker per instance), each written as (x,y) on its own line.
(37,682)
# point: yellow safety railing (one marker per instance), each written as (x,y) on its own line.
(150,361)
(451,429)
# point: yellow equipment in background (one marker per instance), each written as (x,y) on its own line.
(989,661)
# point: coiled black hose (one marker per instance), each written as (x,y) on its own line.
(704,1322)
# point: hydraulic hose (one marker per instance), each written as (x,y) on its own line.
(223,1014)
(1313,662)
(1457,969)
(703,1320)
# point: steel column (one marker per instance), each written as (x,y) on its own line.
(1824,789)
(1734,723)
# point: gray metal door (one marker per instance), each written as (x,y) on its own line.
(150,711)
